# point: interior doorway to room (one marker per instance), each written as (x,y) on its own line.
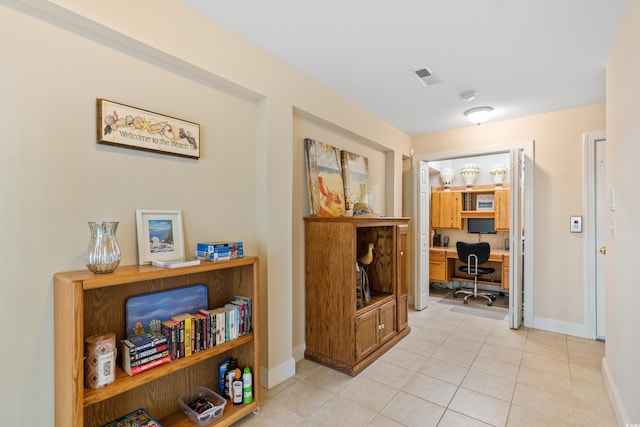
(520,158)
(595,232)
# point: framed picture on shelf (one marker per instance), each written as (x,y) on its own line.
(484,202)
(131,127)
(160,235)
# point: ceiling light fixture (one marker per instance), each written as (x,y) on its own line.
(478,115)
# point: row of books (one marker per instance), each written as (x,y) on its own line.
(219,251)
(186,334)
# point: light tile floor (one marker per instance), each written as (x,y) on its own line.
(455,368)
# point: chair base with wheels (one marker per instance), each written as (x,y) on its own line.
(471,255)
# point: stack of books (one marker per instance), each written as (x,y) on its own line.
(219,251)
(143,352)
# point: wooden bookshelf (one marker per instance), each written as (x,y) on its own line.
(86,304)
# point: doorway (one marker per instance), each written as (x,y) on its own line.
(595,233)
(521,212)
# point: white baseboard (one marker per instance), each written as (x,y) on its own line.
(298,352)
(622,416)
(272,377)
(560,326)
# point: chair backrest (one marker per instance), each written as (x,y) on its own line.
(480,249)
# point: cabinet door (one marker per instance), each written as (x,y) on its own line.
(366,334)
(445,210)
(502,210)
(402,277)
(387,321)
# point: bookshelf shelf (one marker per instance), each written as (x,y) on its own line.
(86,304)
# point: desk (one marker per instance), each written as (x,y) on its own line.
(444,263)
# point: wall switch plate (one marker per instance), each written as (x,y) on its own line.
(576,224)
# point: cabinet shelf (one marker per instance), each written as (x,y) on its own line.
(377,299)
(125,382)
(477,214)
(86,304)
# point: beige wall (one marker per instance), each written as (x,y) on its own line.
(55,178)
(623,293)
(558,184)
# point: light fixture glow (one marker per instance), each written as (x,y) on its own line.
(479,114)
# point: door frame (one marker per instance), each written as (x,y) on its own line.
(528,148)
(590,248)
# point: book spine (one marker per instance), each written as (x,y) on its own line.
(158,339)
(149,358)
(135,370)
(143,354)
(187,336)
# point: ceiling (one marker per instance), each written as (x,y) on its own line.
(522,57)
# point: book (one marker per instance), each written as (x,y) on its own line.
(134,358)
(199,340)
(248,326)
(220,318)
(143,342)
(135,370)
(186,332)
(175,263)
(168,328)
(129,366)
(137,418)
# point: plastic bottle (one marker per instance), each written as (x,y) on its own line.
(236,388)
(247,386)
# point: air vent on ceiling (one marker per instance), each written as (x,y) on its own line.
(426,77)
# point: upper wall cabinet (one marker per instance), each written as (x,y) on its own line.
(446,209)
(449,208)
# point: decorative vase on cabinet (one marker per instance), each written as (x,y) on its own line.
(498,173)
(103,253)
(446,175)
(470,172)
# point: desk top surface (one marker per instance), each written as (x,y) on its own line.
(451,252)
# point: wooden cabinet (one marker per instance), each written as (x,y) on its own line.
(446,209)
(338,333)
(86,304)
(502,210)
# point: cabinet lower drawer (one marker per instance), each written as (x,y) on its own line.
(437,266)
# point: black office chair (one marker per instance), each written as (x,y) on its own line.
(472,255)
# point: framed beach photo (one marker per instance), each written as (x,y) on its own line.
(160,235)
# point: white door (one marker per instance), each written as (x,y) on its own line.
(516,239)
(423,238)
(600,202)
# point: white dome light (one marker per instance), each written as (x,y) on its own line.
(479,114)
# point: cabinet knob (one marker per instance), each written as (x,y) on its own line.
(603,250)
(381,326)
(401,253)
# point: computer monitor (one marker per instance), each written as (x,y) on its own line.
(481,226)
